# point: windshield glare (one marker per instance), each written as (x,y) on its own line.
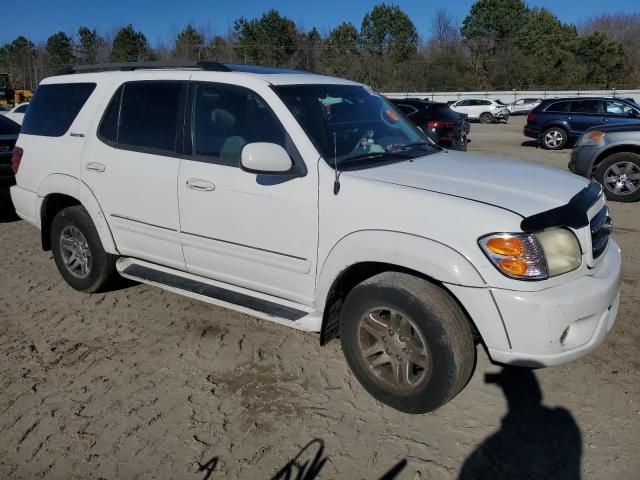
(350,120)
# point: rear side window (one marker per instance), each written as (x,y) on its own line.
(145,115)
(54,108)
(587,106)
(559,107)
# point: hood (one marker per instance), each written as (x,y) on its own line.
(523,187)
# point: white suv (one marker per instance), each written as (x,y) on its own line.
(310,201)
(485,111)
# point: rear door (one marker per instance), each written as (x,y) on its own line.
(132,166)
(620,112)
(585,114)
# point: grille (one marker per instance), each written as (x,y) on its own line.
(601,226)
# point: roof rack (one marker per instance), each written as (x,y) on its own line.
(130,66)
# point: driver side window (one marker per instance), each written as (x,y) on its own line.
(225,118)
(618,108)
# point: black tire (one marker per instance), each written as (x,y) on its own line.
(554,138)
(100,265)
(436,318)
(623,166)
(486,118)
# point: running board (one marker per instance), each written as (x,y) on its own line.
(221,294)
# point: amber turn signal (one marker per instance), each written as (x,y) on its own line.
(506,246)
(516,267)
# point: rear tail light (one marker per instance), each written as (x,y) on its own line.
(531,117)
(439,124)
(16,158)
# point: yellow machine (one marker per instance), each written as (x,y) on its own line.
(9,95)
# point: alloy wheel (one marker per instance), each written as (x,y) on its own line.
(75,251)
(622,178)
(553,139)
(393,349)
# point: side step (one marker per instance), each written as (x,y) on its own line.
(225,295)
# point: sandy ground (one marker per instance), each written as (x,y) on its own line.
(141,383)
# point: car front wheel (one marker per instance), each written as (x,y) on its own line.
(407,341)
(619,174)
(78,252)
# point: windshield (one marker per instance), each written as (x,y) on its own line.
(353,122)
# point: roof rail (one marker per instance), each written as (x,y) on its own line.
(129,66)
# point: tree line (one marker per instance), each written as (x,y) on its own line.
(501,44)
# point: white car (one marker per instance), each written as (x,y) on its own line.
(311,202)
(523,105)
(485,111)
(17,113)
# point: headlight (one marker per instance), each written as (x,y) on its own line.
(533,256)
(591,138)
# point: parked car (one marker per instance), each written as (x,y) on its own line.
(523,105)
(611,155)
(16,113)
(441,124)
(486,111)
(558,122)
(342,220)
(9,131)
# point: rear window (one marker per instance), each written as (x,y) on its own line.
(558,107)
(55,107)
(442,111)
(145,115)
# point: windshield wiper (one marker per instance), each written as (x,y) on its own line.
(374,156)
(409,146)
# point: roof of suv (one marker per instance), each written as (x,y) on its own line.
(270,75)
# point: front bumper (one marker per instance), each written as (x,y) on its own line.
(562,323)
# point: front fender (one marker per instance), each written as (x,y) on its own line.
(429,257)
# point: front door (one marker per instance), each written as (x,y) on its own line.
(620,112)
(132,165)
(254,231)
(586,114)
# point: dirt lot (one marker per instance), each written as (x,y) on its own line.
(141,383)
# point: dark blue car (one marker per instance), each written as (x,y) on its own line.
(558,122)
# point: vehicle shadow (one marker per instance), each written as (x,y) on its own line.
(534,441)
(7,212)
(531,143)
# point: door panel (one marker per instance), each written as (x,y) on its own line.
(132,168)
(254,231)
(619,112)
(586,114)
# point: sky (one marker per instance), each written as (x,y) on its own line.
(161,20)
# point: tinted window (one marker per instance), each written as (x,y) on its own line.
(54,108)
(145,115)
(226,118)
(618,108)
(21,109)
(8,126)
(406,109)
(463,103)
(559,107)
(587,106)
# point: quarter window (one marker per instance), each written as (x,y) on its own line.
(226,118)
(54,107)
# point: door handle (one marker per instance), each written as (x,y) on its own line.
(95,167)
(200,185)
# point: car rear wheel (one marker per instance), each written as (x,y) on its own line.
(78,252)
(407,342)
(486,118)
(554,138)
(619,174)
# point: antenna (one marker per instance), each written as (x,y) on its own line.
(336,181)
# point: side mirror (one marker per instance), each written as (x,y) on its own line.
(265,159)
(633,113)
